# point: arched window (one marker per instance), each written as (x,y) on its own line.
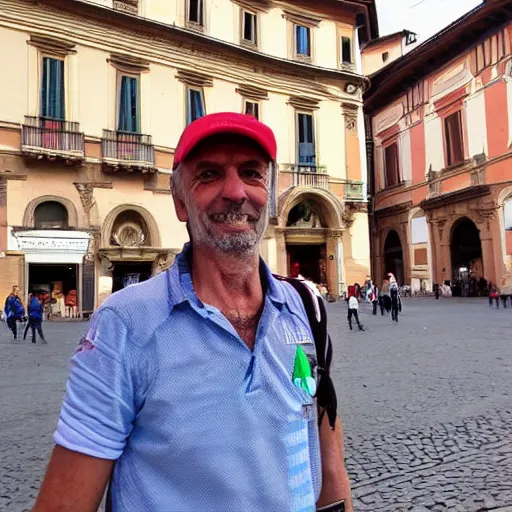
(130,230)
(51,215)
(507,213)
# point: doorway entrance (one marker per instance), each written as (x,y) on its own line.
(309,261)
(57,286)
(394,257)
(466,259)
(126,274)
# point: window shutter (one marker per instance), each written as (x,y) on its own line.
(392,174)
(454,140)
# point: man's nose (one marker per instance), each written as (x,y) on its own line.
(234,187)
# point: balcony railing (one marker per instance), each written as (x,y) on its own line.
(307,175)
(131,150)
(42,136)
(354,191)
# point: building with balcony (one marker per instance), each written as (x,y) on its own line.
(439,122)
(97,95)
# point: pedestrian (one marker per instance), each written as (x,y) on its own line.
(494,295)
(14,310)
(368,288)
(194,390)
(436,290)
(353,308)
(395,297)
(35,318)
(374,299)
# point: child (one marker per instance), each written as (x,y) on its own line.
(493,294)
(353,308)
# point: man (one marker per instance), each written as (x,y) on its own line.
(35,318)
(14,310)
(182,392)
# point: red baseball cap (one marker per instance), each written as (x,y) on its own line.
(224,122)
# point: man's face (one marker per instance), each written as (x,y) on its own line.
(223,195)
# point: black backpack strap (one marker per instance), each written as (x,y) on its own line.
(325,393)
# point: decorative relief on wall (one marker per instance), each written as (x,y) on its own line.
(194,79)
(304,102)
(128,6)
(452,79)
(128,63)
(85,191)
(52,45)
(129,230)
(388,118)
(252,93)
(350,113)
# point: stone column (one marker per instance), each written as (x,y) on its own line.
(335,263)
(281,258)
(352,152)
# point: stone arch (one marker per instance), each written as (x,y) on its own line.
(393,256)
(28,216)
(465,249)
(329,207)
(108,224)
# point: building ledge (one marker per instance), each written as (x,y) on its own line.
(464,194)
(115,165)
(70,157)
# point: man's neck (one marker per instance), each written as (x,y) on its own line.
(232,284)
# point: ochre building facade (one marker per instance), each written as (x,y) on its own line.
(439,123)
(94,101)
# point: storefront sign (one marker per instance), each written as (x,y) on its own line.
(52,241)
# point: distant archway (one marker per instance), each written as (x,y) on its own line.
(394,256)
(466,255)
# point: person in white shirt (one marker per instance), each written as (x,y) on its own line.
(353,311)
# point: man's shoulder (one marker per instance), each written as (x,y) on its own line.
(141,307)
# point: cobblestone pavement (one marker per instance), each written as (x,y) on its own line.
(425,405)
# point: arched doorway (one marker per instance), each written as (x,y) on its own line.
(466,258)
(306,242)
(394,257)
(130,231)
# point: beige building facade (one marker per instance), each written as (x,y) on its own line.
(97,95)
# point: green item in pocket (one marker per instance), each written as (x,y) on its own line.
(302,372)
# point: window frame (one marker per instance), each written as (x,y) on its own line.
(314,164)
(201,7)
(188,103)
(42,57)
(397,162)
(448,146)
(255,25)
(252,102)
(120,75)
(303,56)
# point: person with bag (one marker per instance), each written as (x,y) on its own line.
(14,310)
(35,318)
(208,386)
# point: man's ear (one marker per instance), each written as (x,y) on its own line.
(179,207)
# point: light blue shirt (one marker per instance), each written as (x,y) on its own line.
(196,420)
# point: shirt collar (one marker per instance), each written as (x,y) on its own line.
(181,288)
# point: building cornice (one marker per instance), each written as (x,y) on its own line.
(464,194)
(182,37)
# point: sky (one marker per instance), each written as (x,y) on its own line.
(425,17)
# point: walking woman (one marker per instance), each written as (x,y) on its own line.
(14,310)
(35,318)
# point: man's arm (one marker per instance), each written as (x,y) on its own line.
(73,483)
(335,481)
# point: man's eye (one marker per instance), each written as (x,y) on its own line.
(206,176)
(253,174)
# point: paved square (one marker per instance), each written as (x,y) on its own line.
(426,406)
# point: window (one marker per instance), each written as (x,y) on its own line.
(249,27)
(51,215)
(195,11)
(419,230)
(128,114)
(52,89)
(195,105)
(454,139)
(306,139)
(302,41)
(507,213)
(385,56)
(391,168)
(346,50)
(252,108)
